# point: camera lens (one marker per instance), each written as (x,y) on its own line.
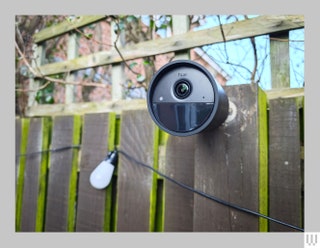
(182,89)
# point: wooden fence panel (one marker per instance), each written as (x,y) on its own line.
(230,163)
(136,184)
(62,180)
(260,25)
(34,186)
(92,214)
(285,166)
(227,166)
(178,208)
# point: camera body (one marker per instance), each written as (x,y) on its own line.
(184,99)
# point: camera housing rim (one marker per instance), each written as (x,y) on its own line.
(220,108)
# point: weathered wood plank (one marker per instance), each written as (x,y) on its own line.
(178,208)
(66,26)
(135,183)
(119,105)
(72,52)
(285,174)
(227,166)
(297,93)
(34,83)
(34,186)
(92,203)
(280,60)
(238,30)
(22,127)
(61,196)
(180,25)
(18,134)
(87,107)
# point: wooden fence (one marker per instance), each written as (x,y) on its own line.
(253,160)
(277,27)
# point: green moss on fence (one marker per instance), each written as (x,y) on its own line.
(263,159)
(20,173)
(153,192)
(77,123)
(46,126)
(109,216)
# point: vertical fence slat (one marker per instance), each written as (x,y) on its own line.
(91,208)
(180,25)
(72,52)
(227,166)
(22,127)
(65,132)
(135,183)
(18,134)
(178,207)
(34,187)
(285,167)
(36,63)
(225,163)
(280,60)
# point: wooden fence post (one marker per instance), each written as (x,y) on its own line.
(72,53)
(36,63)
(286,175)
(231,164)
(180,25)
(280,60)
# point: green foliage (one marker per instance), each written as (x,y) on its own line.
(88,36)
(133,64)
(46,95)
(140,78)
(148,62)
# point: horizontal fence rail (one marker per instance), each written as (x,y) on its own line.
(261,25)
(277,27)
(254,160)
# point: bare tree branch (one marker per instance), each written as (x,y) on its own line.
(223,37)
(50,79)
(117,49)
(110,45)
(254,47)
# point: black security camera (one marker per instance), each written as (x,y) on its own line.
(184,99)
